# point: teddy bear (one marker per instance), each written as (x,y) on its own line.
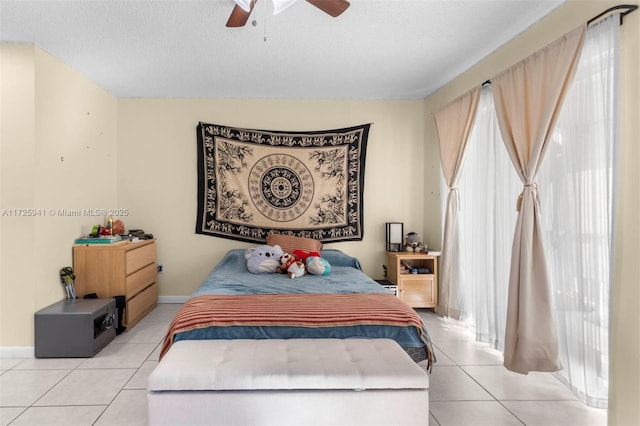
(414,242)
(296,269)
(263,258)
(291,265)
(284,261)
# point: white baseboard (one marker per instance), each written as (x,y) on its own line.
(173,299)
(17,352)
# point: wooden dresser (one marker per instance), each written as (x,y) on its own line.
(119,269)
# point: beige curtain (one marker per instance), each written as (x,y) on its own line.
(453,125)
(528,99)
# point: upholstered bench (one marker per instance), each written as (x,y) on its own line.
(288,382)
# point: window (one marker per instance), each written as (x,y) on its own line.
(576,188)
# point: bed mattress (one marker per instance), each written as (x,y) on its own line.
(232,303)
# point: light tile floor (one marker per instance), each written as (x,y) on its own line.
(468,385)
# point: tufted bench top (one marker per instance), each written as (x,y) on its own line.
(272,364)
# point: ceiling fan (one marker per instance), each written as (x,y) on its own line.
(243,8)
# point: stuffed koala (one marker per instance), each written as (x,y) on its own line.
(263,258)
(414,242)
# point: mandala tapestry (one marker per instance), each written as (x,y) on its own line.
(255,182)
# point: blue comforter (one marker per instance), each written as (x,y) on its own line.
(231,277)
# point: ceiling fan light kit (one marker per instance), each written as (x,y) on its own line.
(280,5)
(243,8)
(246,5)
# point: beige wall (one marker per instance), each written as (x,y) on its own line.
(48,111)
(67,144)
(624,372)
(57,151)
(17,169)
(157,178)
(624,392)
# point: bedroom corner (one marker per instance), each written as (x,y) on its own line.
(58,153)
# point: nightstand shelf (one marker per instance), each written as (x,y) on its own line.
(416,275)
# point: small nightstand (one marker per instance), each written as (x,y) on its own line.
(416,275)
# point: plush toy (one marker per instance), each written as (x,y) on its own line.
(296,269)
(317,265)
(263,258)
(414,242)
(304,254)
(285,260)
(291,265)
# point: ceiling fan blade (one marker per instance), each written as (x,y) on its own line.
(332,7)
(239,16)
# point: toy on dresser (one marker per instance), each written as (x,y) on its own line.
(413,242)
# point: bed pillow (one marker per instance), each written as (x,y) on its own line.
(290,243)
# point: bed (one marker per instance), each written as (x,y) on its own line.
(233,303)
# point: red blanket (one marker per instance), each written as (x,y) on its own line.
(297,310)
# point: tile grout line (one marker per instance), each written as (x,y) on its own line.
(478,383)
(499,401)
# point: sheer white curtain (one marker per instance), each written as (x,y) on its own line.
(578,214)
(576,207)
(488,185)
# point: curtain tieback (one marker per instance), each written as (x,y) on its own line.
(526,185)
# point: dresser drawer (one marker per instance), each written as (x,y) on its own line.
(140,257)
(137,281)
(141,304)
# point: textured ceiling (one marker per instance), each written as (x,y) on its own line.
(377,49)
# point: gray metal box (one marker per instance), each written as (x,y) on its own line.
(75,328)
